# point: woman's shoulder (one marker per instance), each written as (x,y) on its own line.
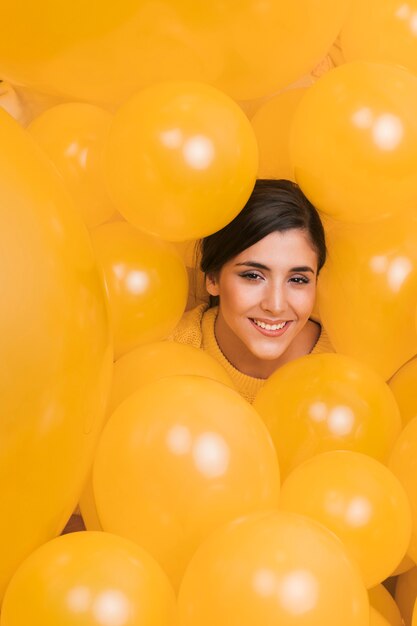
(188,330)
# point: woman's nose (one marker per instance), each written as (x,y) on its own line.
(274,299)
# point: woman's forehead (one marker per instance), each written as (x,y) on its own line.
(280,245)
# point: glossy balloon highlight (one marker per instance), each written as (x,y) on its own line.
(146,284)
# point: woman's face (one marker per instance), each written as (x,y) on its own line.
(267,294)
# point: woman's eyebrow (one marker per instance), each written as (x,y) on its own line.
(302,268)
(260,266)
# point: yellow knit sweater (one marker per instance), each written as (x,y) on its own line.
(197,329)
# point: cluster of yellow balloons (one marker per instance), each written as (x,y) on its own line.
(106,55)
(178,458)
(153,477)
(151,149)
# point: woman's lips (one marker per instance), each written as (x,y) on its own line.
(271,330)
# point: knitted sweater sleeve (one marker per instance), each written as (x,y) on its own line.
(189,328)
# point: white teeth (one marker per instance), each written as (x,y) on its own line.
(269,326)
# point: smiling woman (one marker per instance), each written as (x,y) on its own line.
(261,272)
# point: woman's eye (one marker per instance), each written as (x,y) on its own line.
(300,280)
(250,276)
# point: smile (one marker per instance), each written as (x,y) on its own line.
(269,326)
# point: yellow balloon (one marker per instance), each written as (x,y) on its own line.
(56,350)
(89,579)
(381,31)
(324,402)
(272,568)
(158,360)
(272,126)
(146,284)
(403,462)
(382,601)
(406,594)
(139,367)
(105,54)
(178,458)
(376,619)
(354,142)
(299,34)
(402,386)
(406,564)
(371,274)
(181,160)
(73,136)
(358,499)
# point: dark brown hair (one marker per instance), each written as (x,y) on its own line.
(274,205)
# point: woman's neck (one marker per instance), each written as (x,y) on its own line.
(242,359)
